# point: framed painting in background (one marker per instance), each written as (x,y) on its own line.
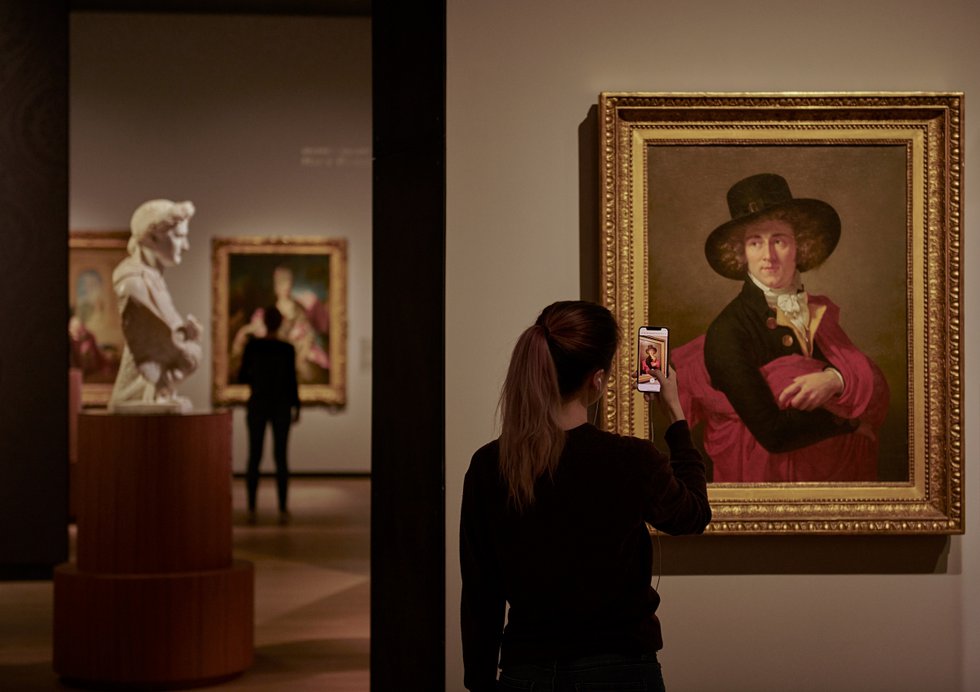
(306,278)
(682,176)
(94,327)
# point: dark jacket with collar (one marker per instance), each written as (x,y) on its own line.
(742,339)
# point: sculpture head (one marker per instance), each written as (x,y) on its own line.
(159,228)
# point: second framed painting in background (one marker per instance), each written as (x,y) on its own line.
(95,334)
(306,279)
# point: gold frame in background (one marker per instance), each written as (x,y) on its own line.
(295,252)
(110,249)
(923,129)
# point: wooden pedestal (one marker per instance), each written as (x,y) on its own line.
(154,598)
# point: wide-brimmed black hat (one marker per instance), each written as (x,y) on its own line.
(748,200)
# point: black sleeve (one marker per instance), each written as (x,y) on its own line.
(677,492)
(292,382)
(482,605)
(733,370)
(245,369)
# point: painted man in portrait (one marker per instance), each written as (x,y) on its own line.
(784,394)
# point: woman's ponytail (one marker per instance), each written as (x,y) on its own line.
(550,362)
(531,438)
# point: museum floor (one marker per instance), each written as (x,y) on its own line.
(311,596)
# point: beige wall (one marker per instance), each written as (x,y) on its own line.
(219,110)
(521,80)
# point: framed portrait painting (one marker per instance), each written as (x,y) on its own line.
(804,251)
(94,327)
(306,279)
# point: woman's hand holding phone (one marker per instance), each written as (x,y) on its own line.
(667,399)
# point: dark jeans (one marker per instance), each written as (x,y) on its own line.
(257,422)
(609,673)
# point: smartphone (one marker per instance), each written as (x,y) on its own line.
(652,345)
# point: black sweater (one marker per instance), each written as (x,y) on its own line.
(576,567)
(269,368)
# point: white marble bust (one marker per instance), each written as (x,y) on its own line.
(162,347)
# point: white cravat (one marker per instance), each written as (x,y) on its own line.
(792,301)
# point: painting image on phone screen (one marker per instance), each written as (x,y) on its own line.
(652,344)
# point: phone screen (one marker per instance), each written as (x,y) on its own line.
(652,344)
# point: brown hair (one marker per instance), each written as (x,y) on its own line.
(551,361)
(812,246)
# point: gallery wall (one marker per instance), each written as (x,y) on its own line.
(738,613)
(263,122)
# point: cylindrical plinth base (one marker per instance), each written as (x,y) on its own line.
(154,492)
(149,630)
(155,600)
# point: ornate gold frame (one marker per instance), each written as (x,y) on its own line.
(113,245)
(928,126)
(334,250)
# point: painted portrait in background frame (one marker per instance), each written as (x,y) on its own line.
(305,279)
(887,168)
(94,327)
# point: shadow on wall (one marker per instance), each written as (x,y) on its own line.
(727,555)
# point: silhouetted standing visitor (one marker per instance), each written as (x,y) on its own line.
(269,368)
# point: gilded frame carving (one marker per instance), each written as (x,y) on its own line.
(715,139)
(95,328)
(246,273)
